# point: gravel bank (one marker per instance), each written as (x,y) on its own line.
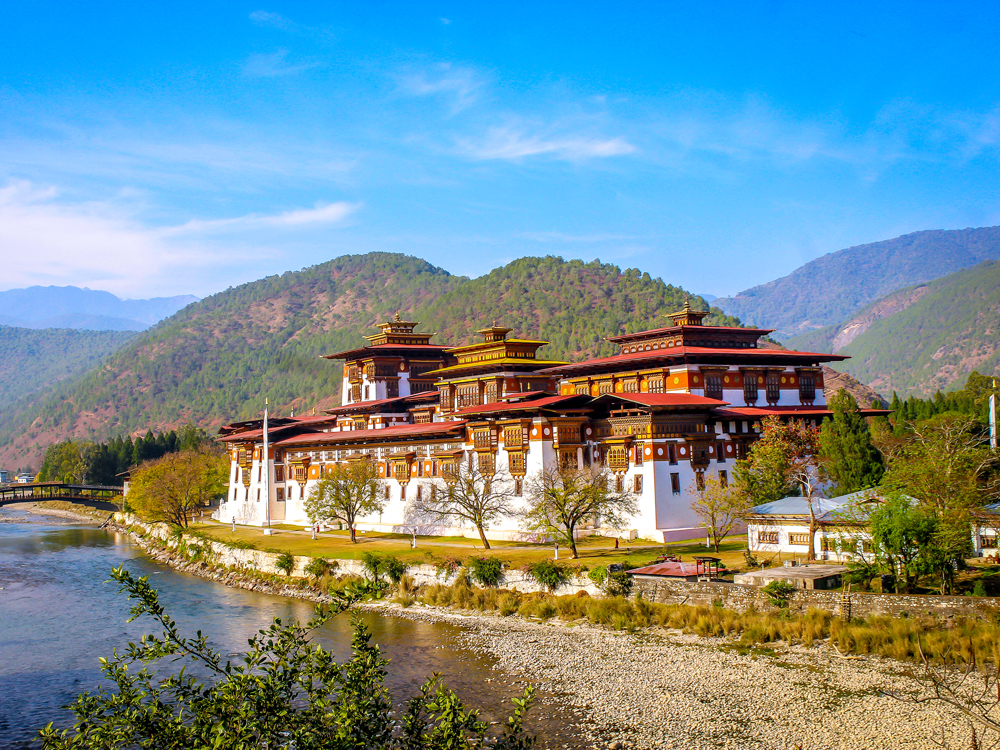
(39,509)
(669,690)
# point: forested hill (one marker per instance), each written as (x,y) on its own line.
(828,290)
(949,330)
(214,361)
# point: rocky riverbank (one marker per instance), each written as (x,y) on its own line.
(663,689)
(37,511)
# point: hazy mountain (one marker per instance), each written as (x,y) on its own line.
(214,361)
(828,290)
(921,338)
(73,307)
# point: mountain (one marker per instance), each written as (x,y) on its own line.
(36,362)
(73,307)
(214,361)
(828,290)
(921,338)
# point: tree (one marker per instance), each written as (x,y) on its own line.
(170,488)
(847,454)
(351,491)
(783,461)
(901,531)
(720,507)
(471,495)
(285,692)
(561,499)
(68,461)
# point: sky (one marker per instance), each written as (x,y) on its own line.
(153,149)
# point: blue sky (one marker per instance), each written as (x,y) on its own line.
(183,148)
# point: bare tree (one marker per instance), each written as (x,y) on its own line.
(472,495)
(350,492)
(560,500)
(720,507)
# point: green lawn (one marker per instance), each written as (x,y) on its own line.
(594,550)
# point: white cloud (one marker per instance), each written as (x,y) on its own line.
(322,213)
(513,143)
(103,245)
(459,86)
(274,65)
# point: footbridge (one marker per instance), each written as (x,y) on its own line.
(105,497)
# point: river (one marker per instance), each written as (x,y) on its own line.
(59,613)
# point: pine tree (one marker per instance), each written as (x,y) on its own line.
(848,456)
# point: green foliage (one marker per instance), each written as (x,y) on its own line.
(979,589)
(284,692)
(618,583)
(598,575)
(171,488)
(213,361)
(486,571)
(971,401)
(381,568)
(285,563)
(318,567)
(549,574)
(778,593)
(848,456)
(345,495)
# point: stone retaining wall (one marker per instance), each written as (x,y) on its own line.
(258,561)
(740,598)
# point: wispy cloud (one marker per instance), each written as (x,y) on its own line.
(275,65)
(102,244)
(459,86)
(322,213)
(515,143)
(575,238)
(267,19)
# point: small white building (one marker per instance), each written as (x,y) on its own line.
(985,531)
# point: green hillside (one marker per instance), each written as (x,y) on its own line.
(828,290)
(35,361)
(213,361)
(937,341)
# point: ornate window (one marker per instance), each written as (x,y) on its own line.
(656,385)
(773,385)
(617,458)
(988,542)
(517,462)
(799,539)
(491,392)
(637,454)
(713,386)
(637,484)
(487,463)
(518,487)
(767,537)
(750,389)
(807,387)
(513,437)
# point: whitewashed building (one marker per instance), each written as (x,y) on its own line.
(676,404)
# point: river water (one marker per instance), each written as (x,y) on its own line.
(59,613)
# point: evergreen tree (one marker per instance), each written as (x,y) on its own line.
(847,454)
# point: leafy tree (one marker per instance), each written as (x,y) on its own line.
(471,495)
(285,692)
(847,454)
(350,492)
(560,500)
(720,507)
(68,461)
(782,462)
(170,488)
(902,532)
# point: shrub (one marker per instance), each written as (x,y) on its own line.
(979,589)
(618,583)
(394,568)
(751,561)
(318,567)
(598,574)
(285,563)
(778,592)
(486,571)
(507,603)
(378,566)
(448,567)
(549,574)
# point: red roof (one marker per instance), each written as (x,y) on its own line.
(678,352)
(655,331)
(744,412)
(671,569)
(385,433)
(370,405)
(537,403)
(350,353)
(666,399)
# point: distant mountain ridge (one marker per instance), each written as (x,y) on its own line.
(829,290)
(81,308)
(215,360)
(921,338)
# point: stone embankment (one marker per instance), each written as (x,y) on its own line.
(663,689)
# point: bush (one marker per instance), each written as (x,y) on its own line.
(598,574)
(618,583)
(778,592)
(486,571)
(319,567)
(285,563)
(979,589)
(377,566)
(549,574)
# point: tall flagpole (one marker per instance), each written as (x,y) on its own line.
(993,416)
(267,476)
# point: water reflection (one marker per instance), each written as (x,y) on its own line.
(59,612)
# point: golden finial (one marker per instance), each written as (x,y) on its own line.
(396,318)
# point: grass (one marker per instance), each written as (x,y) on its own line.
(594,550)
(895,638)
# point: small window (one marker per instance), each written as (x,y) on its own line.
(420,492)
(672,454)
(258,494)
(699,480)
(637,455)
(724,478)
(988,542)
(720,452)
(619,484)
(280,494)
(518,487)
(386,490)
(802,540)
(675,483)
(767,537)
(637,484)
